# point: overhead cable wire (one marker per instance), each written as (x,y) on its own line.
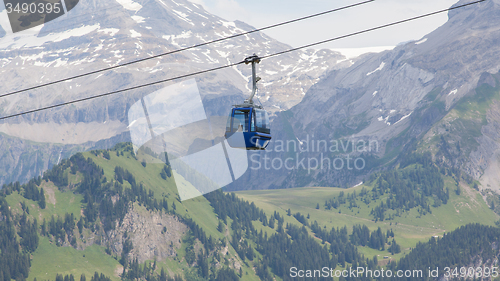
(234,64)
(122,90)
(187,48)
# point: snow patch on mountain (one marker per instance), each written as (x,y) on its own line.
(183,35)
(312,58)
(30,40)
(138,19)
(404,117)
(223,54)
(378,69)
(130,5)
(183,16)
(135,34)
(110,31)
(421,41)
(55,63)
(385,120)
(228,24)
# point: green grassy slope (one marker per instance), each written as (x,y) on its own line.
(410,228)
(49,260)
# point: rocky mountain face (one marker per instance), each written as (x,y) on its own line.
(98,34)
(437,94)
(153,235)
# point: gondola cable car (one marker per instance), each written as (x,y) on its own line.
(248,124)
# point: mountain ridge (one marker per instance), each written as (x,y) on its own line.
(393,98)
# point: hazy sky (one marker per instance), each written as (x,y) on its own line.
(260,13)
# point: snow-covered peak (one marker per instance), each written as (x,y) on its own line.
(96,35)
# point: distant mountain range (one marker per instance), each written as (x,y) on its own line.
(98,34)
(438,94)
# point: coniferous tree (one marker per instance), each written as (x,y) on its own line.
(271,222)
(163,276)
(203,265)
(220,227)
(42,202)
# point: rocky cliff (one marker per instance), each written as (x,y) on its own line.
(385,105)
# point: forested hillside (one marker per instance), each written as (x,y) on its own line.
(473,247)
(112,214)
(103,201)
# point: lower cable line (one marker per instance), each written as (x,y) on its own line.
(119,91)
